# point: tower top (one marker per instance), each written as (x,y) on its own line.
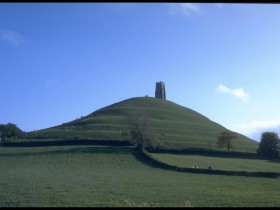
(160,90)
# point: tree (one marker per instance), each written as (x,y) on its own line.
(9,130)
(141,132)
(269,146)
(225,139)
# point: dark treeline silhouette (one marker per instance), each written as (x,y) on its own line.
(66,143)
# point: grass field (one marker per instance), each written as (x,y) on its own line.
(219,163)
(105,176)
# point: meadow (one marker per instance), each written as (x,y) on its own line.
(219,163)
(118,176)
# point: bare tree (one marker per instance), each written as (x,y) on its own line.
(141,131)
(225,139)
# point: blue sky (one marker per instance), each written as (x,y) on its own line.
(61,61)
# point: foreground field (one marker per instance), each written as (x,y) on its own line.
(117,176)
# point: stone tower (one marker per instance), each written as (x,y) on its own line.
(160,90)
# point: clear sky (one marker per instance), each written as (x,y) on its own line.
(61,61)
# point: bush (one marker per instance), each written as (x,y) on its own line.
(269,146)
(10,130)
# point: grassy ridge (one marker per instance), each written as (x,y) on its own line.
(105,176)
(178,127)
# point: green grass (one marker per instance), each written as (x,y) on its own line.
(104,176)
(219,163)
(114,176)
(177,127)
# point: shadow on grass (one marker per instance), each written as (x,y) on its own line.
(273,161)
(102,150)
(142,158)
(81,150)
(68,142)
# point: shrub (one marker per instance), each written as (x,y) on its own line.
(269,146)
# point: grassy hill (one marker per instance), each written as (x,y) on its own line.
(116,176)
(178,127)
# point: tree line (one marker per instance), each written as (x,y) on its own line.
(269,146)
(144,137)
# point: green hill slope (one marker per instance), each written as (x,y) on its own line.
(177,127)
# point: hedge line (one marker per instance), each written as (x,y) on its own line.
(68,142)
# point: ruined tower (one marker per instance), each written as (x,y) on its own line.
(160,90)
